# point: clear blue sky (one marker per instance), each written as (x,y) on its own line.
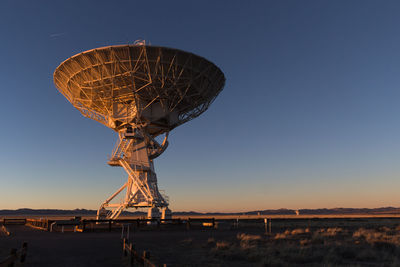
(309,116)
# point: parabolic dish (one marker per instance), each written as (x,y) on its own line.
(155,87)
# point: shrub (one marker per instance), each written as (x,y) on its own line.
(304,242)
(222,245)
(187,242)
(247,237)
(281,236)
(367,255)
(382,245)
(248,241)
(300,231)
(330,231)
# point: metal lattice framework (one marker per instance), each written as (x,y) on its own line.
(140,91)
(156,87)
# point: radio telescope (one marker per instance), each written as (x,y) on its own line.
(141,92)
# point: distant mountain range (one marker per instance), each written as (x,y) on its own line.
(339,211)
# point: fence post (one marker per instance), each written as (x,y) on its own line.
(127,233)
(146,258)
(131,255)
(270,225)
(188,224)
(266,225)
(124,247)
(23,252)
(146,254)
(13,253)
(52,226)
(109,225)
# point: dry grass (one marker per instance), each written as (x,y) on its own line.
(187,242)
(248,238)
(248,241)
(379,237)
(222,245)
(293,233)
(211,241)
(332,246)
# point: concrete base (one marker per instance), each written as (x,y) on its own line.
(166,213)
(101,214)
(153,213)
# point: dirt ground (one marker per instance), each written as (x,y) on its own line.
(292,242)
(68,249)
(175,248)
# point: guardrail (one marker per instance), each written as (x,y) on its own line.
(16,256)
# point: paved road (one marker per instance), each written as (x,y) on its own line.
(175,248)
(64,249)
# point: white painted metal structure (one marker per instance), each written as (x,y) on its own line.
(141,92)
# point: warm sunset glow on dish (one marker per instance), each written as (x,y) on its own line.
(140,92)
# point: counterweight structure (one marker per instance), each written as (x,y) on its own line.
(141,92)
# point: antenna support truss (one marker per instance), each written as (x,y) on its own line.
(135,151)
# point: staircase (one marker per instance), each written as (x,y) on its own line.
(118,151)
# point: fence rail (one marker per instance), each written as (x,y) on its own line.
(42,224)
(14,221)
(16,256)
(85,225)
(133,256)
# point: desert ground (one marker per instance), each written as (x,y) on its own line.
(295,241)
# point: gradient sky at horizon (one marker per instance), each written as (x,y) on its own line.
(309,116)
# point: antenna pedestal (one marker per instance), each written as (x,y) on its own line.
(135,153)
